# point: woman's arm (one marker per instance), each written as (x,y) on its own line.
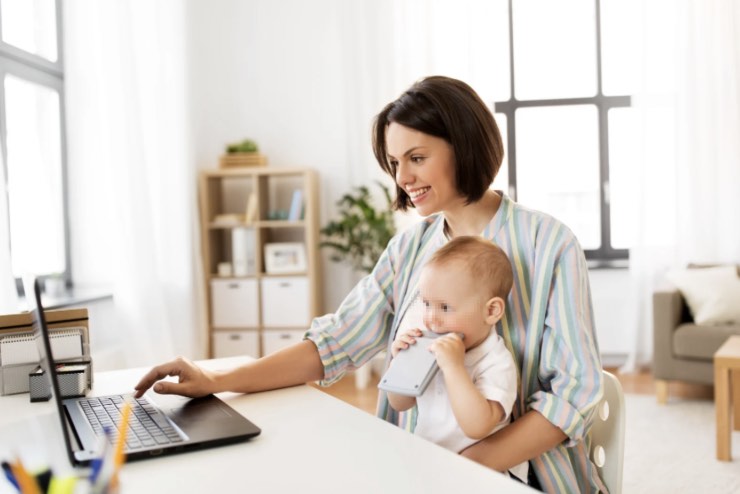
(296,364)
(526,438)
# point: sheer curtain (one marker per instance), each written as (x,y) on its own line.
(688,171)
(131,172)
(8,294)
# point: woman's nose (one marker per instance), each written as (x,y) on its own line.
(403,175)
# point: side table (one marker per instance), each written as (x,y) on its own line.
(727,394)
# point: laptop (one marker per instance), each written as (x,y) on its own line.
(159,424)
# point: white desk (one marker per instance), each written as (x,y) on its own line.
(310,442)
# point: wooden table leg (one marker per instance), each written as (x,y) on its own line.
(735,378)
(722,408)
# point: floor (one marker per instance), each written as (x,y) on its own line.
(638,383)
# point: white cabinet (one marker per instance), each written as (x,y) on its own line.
(285,302)
(234,303)
(276,339)
(236,343)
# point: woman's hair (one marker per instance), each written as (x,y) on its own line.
(483,261)
(449,109)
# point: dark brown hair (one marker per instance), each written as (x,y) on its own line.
(483,260)
(449,109)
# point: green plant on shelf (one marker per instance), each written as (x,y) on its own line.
(245,146)
(362,231)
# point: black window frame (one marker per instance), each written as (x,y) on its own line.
(603,104)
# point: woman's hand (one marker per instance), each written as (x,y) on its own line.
(404,340)
(193,381)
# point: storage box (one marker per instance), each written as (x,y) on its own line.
(277,339)
(69,333)
(74,381)
(234,303)
(236,343)
(285,302)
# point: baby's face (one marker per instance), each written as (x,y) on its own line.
(453,303)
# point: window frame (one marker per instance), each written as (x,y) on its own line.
(603,104)
(38,70)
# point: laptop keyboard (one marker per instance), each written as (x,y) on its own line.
(147,426)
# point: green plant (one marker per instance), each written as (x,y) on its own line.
(362,232)
(245,146)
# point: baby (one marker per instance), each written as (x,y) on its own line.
(463,288)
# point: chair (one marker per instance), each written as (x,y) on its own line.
(607,435)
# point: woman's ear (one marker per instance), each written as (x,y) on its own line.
(494,310)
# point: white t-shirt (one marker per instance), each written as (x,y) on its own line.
(494,374)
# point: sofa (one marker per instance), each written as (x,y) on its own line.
(682,349)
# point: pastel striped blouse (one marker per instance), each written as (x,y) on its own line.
(548,327)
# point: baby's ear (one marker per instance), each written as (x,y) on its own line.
(494,310)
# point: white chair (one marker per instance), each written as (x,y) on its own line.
(607,435)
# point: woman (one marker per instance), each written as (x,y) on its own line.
(442,146)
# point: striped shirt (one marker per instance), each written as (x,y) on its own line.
(548,327)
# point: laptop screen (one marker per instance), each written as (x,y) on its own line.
(46,359)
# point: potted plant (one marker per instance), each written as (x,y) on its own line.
(362,231)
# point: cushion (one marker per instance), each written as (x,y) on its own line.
(712,294)
(701,342)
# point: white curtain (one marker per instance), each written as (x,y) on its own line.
(688,174)
(132,176)
(8,294)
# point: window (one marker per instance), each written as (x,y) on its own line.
(32,135)
(567,120)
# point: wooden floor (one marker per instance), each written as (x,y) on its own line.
(638,383)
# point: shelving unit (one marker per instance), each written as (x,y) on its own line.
(250,311)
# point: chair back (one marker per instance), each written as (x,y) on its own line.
(607,435)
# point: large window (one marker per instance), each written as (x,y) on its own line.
(567,119)
(32,135)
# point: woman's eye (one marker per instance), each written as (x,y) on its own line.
(446,308)
(426,304)
(393,163)
(417,159)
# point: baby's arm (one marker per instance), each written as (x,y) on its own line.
(397,401)
(476,415)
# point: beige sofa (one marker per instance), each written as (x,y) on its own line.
(682,350)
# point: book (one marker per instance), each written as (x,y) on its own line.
(251,214)
(296,206)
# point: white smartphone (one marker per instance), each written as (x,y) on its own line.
(412,369)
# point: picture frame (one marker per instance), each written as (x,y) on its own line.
(285,257)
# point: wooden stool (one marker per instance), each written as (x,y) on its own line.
(727,393)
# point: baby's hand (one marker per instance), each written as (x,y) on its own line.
(449,351)
(404,340)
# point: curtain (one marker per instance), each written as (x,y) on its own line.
(131,172)
(688,155)
(8,294)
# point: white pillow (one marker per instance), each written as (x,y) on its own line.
(712,294)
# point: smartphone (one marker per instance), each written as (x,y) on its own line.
(412,369)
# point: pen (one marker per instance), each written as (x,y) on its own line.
(9,475)
(97,463)
(119,456)
(26,482)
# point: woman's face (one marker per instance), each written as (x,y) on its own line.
(425,168)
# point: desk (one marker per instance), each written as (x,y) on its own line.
(310,442)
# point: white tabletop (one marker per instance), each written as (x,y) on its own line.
(310,442)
